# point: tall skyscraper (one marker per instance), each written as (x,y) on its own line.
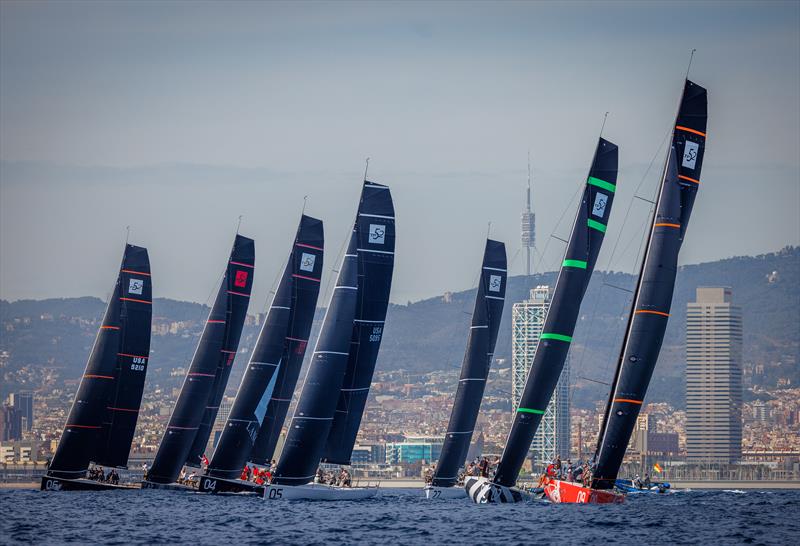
(23,402)
(528,225)
(713,377)
(553,436)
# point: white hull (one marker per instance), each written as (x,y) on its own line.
(433,492)
(317,491)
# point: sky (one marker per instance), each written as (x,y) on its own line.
(175,118)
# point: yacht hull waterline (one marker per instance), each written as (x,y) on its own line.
(444,493)
(317,491)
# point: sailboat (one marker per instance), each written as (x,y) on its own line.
(101,422)
(580,258)
(311,426)
(652,301)
(185,439)
(486,317)
(276,359)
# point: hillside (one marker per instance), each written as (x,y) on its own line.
(430,334)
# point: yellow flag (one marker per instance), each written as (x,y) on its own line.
(657,468)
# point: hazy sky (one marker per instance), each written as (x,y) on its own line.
(175,118)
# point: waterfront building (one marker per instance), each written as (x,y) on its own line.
(23,402)
(415,449)
(553,435)
(713,377)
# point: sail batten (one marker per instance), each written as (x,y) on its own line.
(276,358)
(654,290)
(486,317)
(103,416)
(554,343)
(185,439)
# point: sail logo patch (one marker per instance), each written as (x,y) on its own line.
(307,262)
(599,208)
(135,286)
(240,281)
(495,282)
(377,234)
(690,151)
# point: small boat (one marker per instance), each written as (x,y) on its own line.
(319,491)
(486,317)
(630,486)
(102,419)
(187,433)
(580,258)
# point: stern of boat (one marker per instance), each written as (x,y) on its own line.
(483,491)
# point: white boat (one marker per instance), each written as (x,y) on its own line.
(318,491)
(455,492)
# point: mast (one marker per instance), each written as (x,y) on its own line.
(189,425)
(281,345)
(486,317)
(103,415)
(652,301)
(375,230)
(580,258)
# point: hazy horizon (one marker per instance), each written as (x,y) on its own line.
(176,118)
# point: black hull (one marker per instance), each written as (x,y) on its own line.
(82,484)
(212,485)
(167,486)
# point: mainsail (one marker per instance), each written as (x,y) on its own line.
(309,427)
(189,425)
(588,231)
(486,318)
(103,416)
(375,232)
(281,345)
(653,296)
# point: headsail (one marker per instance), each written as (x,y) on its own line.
(313,416)
(281,345)
(189,425)
(103,416)
(585,240)
(486,318)
(653,296)
(375,232)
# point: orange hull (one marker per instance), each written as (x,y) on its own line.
(559,491)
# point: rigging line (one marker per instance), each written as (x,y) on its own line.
(605,117)
(239,225)
(366,168)
(305,199)
(691,56)
(127,233)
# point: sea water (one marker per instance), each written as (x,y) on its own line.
(394,517)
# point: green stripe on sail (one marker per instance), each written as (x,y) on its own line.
(559,337)
(601,184)
(594,224)
(574,263)
(528,410)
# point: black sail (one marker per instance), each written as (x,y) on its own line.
(486,318)
(313,416)
(375,232)
(281,344)
(187,431)
(103,416)
(580,258)
(653,296)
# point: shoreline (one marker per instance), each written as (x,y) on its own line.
(419,484)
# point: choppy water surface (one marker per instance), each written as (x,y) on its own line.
(396,516)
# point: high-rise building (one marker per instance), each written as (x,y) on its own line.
(10,423)
(553,435)
(23,402)
(713,377)
(219,424)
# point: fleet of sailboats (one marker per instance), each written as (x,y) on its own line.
(323,429)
